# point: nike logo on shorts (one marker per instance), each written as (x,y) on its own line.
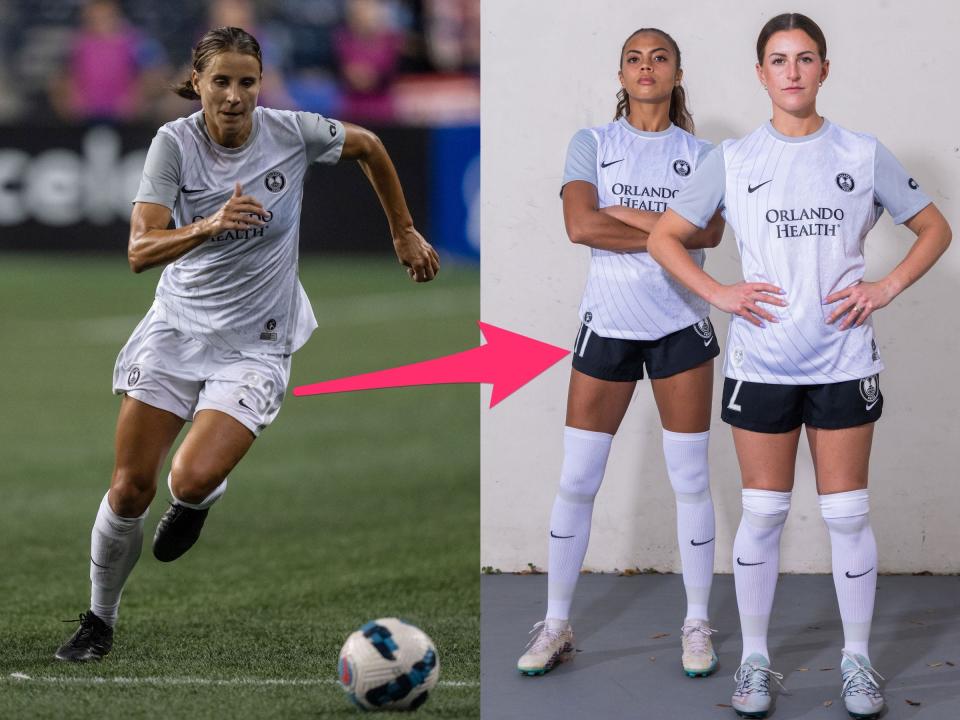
(856,576)
(870,405)
(560,537)
(754,188)
(697,544)
(741,562)
(612,162)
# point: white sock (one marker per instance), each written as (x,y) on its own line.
(203,504)
(756,564)
(584,461)
(115,545)
(854,551)
(689,471)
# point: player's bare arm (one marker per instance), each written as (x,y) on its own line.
(860,300)
(413,251)
(587,225)
(667,246)
(708,237)
(152,243)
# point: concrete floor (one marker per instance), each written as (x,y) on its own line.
(622,670)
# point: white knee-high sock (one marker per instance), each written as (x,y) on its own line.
(115,545)
(203,504)
(689,471)
(584,461)
(854,551)
(756,564)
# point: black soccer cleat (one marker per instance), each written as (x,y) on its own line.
(177,531)
(92,640)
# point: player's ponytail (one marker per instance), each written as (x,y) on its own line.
(679,114)
(216,41)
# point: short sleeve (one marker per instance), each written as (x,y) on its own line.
(322,136)
(160,181)
(705,149)
(581,161)
(896,191)
(699,199)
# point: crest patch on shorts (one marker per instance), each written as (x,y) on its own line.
(704,329)
(870,388)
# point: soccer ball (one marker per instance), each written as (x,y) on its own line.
(388,665)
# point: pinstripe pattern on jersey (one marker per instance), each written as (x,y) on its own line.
(805,256)
(628,295)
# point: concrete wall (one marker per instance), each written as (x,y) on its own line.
(551,68)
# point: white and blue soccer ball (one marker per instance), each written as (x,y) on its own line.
(388,665)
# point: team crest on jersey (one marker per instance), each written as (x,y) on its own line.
(134,375)
(681,167)
(845,182)
(587,316)
(269,330)
(870,388)
(275,181)
(737,357)
(913,184)
(333,129)
(874,353)
(704,329)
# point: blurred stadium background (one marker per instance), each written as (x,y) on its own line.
(349,507)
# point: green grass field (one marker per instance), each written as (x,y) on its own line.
(349,507)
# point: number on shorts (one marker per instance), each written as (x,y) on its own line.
(733,405)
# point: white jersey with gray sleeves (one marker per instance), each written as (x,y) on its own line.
(240,289)
(801,209)
(628,296)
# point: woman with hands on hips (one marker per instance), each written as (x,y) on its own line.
(801,194)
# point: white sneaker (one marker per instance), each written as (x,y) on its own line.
(752,698)
(698,656)
(861,693)
(551,644)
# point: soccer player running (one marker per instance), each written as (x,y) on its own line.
(229,310)
(801,194)
(618,180)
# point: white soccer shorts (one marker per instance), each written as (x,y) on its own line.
(164,368)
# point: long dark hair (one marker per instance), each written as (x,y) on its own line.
(216,41)
(791,21)
(679,114)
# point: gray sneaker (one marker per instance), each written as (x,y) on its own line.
(861,693)
(752,698)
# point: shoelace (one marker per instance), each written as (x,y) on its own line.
(696,637)
(85,628)
(861,681)
(543,638)
(752,678)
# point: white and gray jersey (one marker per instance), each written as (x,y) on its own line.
(801,209)
(240,289)
(628,295)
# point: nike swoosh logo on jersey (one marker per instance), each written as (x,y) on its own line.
(243,404)
(696,544)
(560,537)
(183,189)
(870,406)
(612,162)
(741,562)
(856,576)
(754,188)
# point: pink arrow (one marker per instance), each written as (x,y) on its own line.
(508,360)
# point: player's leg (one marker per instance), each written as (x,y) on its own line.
(198,478)
(684,403)
(766,422)
(240,397)
(143,438)
(841,457)
(595,409)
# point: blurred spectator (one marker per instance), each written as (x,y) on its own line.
(368,51)
(113,71)
(452,29)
